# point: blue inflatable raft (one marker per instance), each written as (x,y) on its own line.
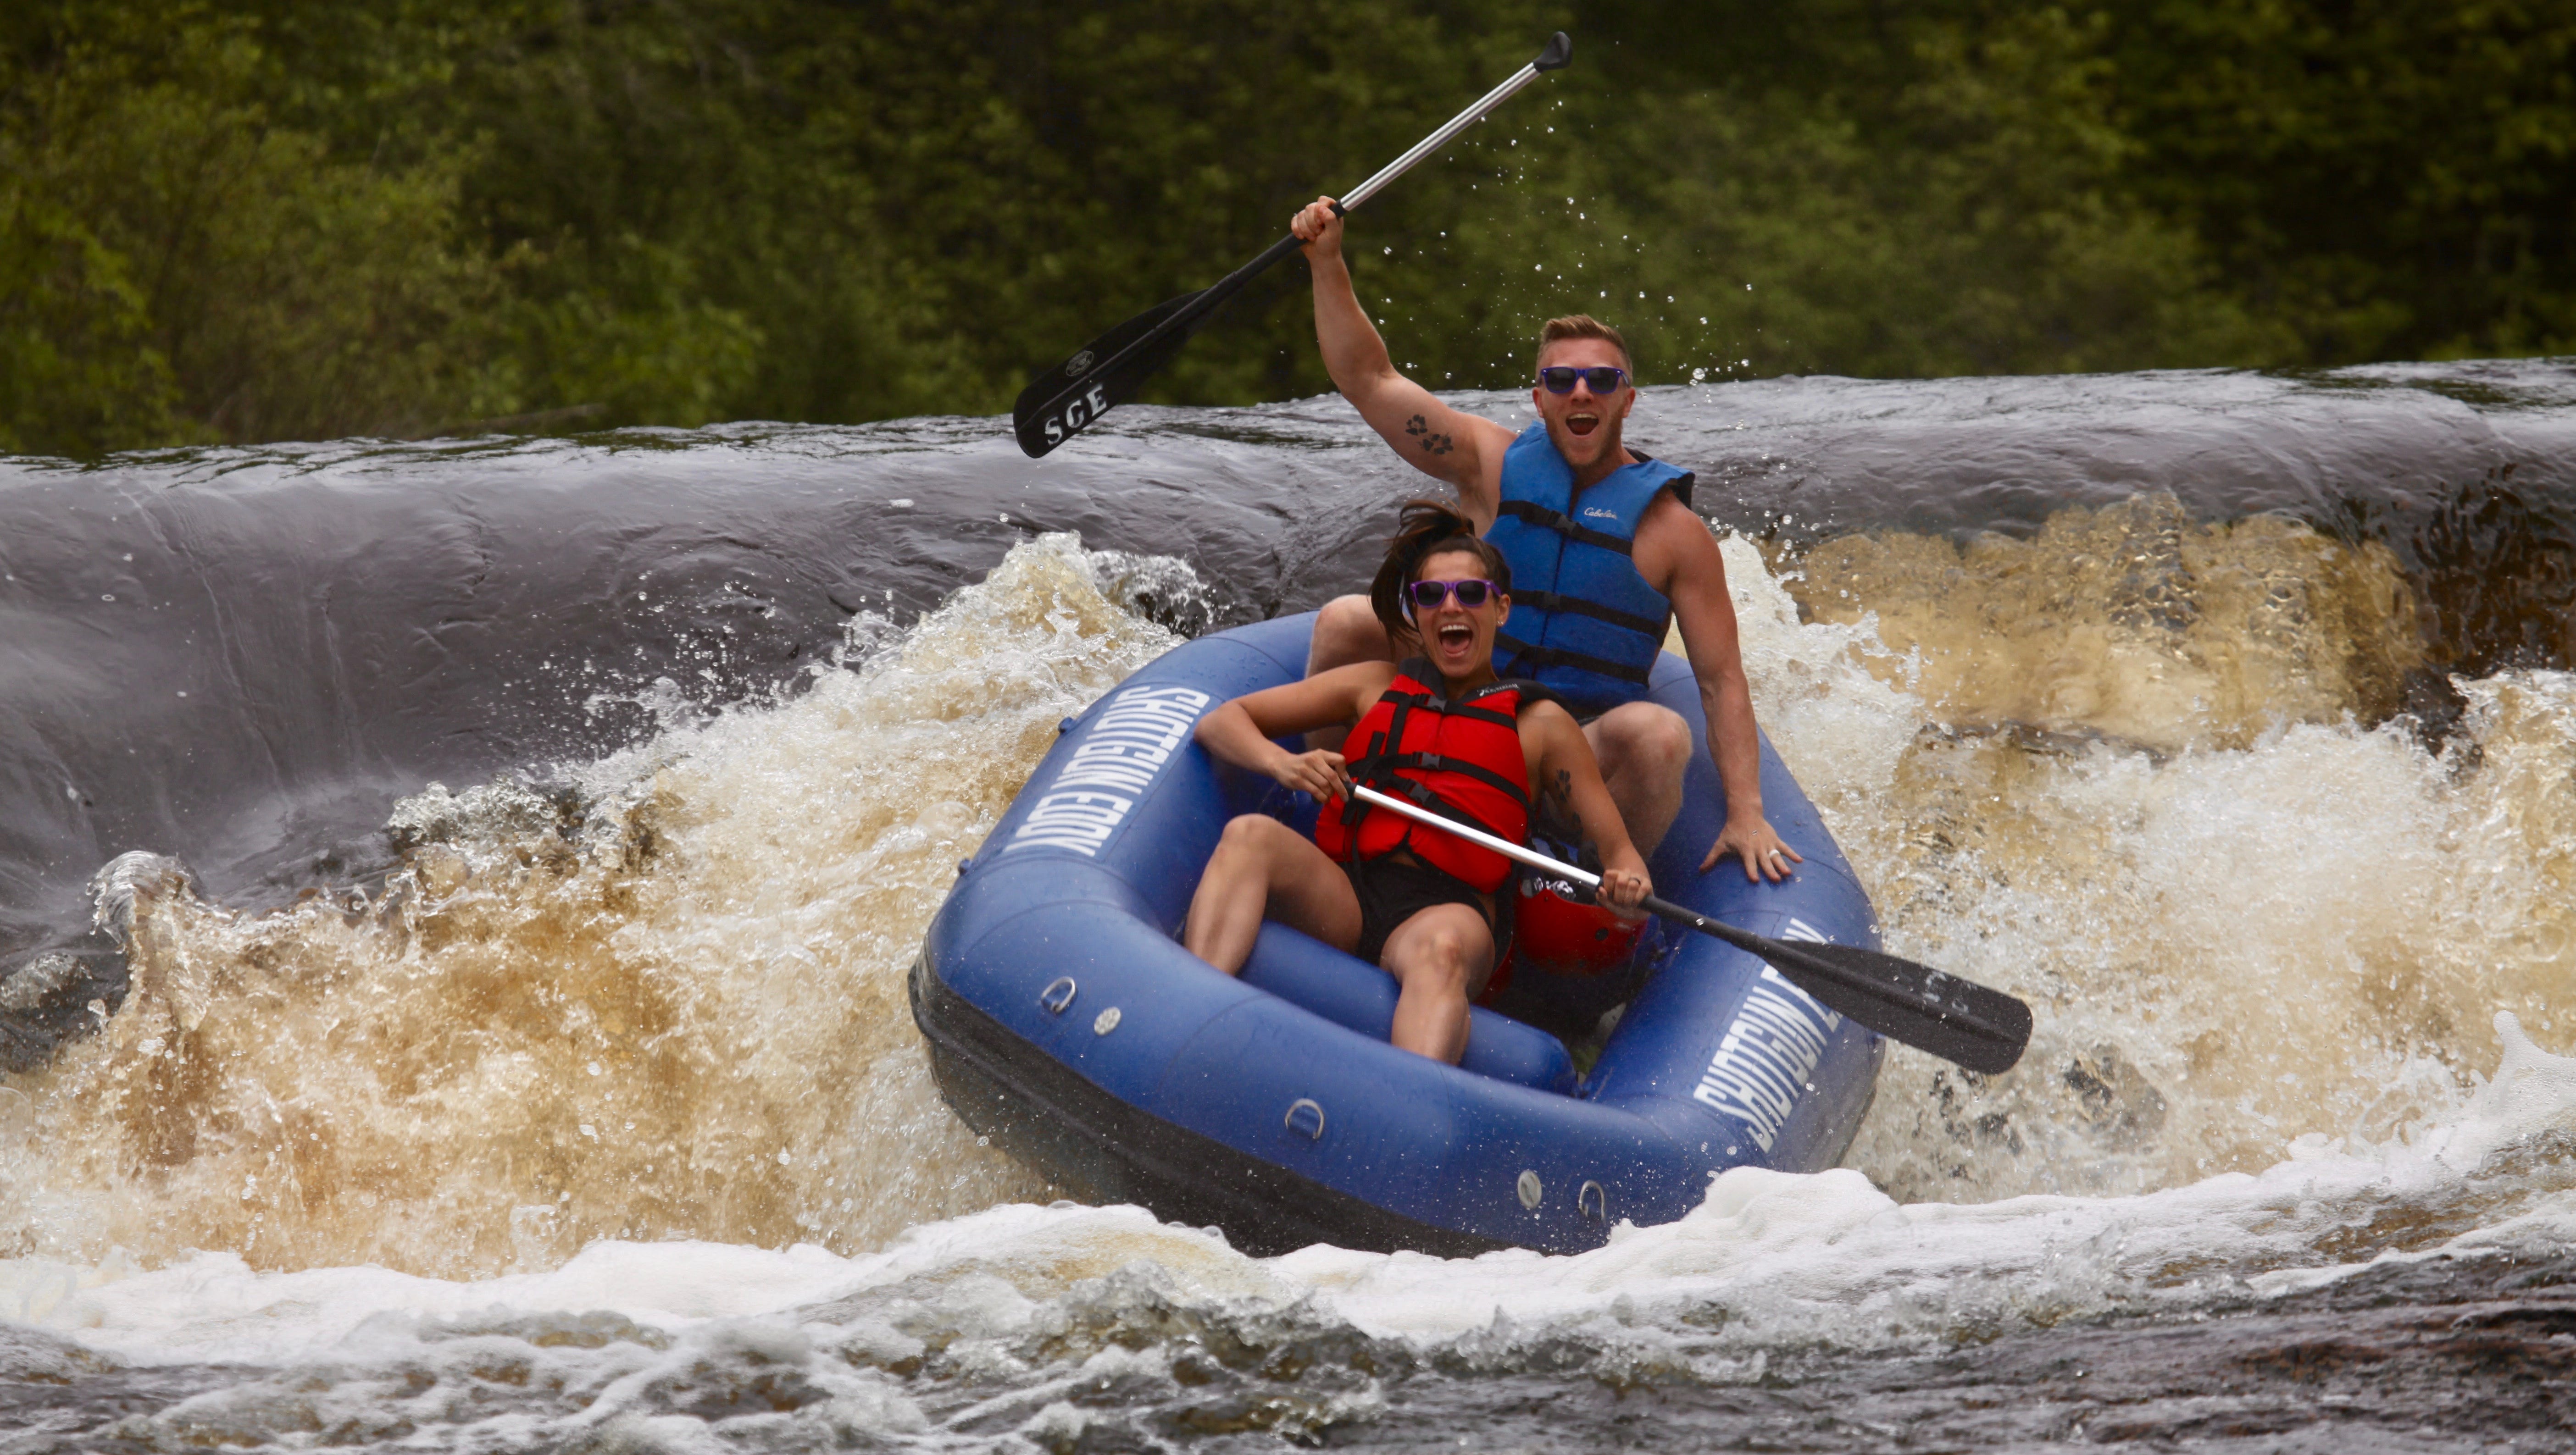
(1066,1022)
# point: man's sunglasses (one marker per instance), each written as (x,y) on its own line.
(1427,595)
(1559,378)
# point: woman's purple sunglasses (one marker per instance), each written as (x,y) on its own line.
(1471,593)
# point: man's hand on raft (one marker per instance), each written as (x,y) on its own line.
(1319,774)
(1319,227)
(1763,853)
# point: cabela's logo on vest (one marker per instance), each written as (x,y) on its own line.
(1117,757)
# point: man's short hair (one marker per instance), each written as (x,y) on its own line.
(1584,325)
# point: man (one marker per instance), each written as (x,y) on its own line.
(1604,551)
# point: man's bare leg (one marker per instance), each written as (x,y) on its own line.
(1643,749)
(1346,630)
(1263,869)
(1441,956)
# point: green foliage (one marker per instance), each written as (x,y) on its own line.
(2385,178)
(254,219)
(218,275)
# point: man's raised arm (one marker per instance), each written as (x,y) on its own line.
(1442,442)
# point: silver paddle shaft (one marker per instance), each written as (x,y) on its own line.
(1438,139)
(1478,837)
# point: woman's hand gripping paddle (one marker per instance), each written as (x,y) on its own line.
(1957,1020)
(1108,371)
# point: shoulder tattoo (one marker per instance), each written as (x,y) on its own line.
(1432,444)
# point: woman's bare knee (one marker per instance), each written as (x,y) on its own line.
(1448,946)
(1255,838)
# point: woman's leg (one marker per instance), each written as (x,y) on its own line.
(1263,869)
(1441,956)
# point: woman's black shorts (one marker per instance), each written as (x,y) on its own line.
(1393,890)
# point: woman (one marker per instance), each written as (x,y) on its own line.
(1441,730)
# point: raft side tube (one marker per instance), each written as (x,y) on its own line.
(1304,971)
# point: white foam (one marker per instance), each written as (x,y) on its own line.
(1791,1258)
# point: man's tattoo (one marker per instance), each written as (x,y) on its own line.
(1435,444)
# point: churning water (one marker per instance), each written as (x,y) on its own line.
(518,850)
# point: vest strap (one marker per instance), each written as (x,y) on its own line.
(1577,606)
(1546,519)
(1525,654)
(1377,771)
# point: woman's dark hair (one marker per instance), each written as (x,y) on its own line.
(1423,530)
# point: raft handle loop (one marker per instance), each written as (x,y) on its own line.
(1594,1199)
(1057,995)
(1306,1118)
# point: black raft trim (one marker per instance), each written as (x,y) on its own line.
(1091,1143)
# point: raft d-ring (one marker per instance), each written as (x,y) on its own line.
(1594,1200)
(1057,995)
(1529,1189)
(1306,1118)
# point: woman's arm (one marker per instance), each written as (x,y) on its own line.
(1568,772)
(1239,731)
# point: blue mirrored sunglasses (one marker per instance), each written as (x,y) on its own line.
(1602,378)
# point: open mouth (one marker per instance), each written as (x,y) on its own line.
(1457,636)
(1582,423)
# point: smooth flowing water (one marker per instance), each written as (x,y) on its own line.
(517,849)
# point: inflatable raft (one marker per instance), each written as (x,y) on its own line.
(1066,1022)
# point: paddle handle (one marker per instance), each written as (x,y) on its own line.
(1479,837)
(1959,1020)
(1653,904)
(1559,51)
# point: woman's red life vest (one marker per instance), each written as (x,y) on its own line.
(1459,757)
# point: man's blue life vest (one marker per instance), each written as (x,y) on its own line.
(1584,622)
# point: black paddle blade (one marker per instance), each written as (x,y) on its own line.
(1063,399)
(1957,1020)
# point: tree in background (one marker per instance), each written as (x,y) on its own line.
(232,220)
(184,268)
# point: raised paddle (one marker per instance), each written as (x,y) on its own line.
(1957,1020)
(1106,372)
